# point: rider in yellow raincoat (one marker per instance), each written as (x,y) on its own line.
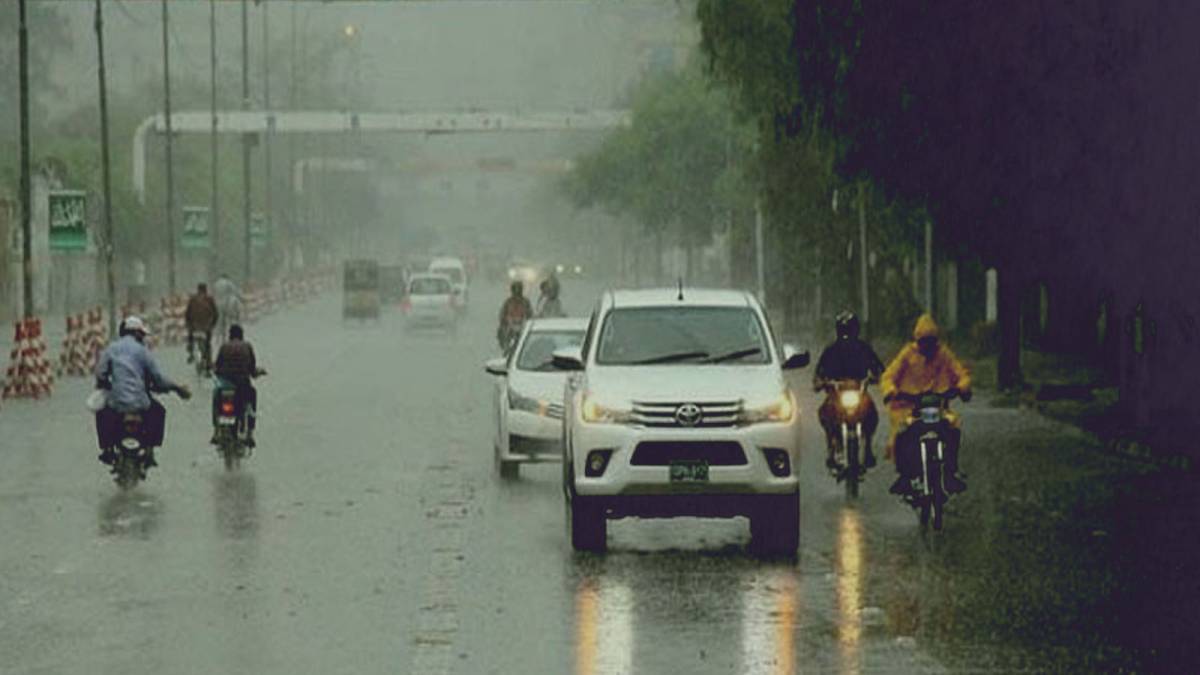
(924,365)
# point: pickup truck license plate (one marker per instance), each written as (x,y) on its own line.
(689,471)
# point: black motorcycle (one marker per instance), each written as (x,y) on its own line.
(233,424)
(928,428)
(203,359)
(853,405)
(129,467)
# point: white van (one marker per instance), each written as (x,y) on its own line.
(454,270)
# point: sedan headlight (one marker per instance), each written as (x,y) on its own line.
(517,401)
(595,412)
(780,409)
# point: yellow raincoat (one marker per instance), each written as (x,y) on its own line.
(912,373)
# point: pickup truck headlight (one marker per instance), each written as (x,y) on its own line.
(517,401)
(596,412)
(780,409)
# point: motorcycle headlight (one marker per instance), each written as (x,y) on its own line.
(596,412)
(850,399)
(780,409)
(131,443)
(517,401)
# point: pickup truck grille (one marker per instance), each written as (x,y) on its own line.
(662,453)
(712,414)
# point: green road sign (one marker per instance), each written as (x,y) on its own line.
(195,228)
(68,220)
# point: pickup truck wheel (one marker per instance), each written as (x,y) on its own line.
(589,525)
(775,526)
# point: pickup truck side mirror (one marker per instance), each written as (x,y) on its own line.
(568,359)
(497,367)
(794,359)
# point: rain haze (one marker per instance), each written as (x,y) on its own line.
(597,336)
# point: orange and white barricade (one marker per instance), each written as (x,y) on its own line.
(29,374)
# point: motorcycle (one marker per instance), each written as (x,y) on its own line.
(853,404)
(129,469)
(928,427)
(232,424)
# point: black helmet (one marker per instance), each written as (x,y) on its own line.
(517,287)
(236,332)
(847,325)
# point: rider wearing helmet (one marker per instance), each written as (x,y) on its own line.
(129,373)
(923,365)
(846,358)
(549,304)
(515,311)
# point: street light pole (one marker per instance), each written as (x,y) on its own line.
(109,243)
(26,197)
(266,50)
(862,255)
(245,144)
(214,219)
(170,208)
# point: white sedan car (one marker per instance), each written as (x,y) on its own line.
(529,394)
(430,302)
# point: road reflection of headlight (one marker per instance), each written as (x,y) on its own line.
(603,627)
(768,624)
(849,569)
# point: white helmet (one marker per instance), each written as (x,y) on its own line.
(134,324)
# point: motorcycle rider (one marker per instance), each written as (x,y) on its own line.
(515,311)
(200,318)
(229,303)
(237,365)
(129,373)
(846,358)
(923,365)
(549,304)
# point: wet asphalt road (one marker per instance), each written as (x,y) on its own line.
(369,535)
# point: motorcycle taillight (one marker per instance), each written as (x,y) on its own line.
(226,407)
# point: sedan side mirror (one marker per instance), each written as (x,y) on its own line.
(794,359)
(569,359)
(497,367)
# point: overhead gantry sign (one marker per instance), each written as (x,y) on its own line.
(313,122)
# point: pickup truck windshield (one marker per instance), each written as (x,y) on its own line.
(682,335)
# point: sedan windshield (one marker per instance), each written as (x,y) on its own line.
(669,335)
(538,352)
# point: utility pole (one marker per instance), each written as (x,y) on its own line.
(26,187)
(170,164)
(109,243)
(862,254)
(245,144)
(214,210)
(291,160)
(758,252)
(929,266)
(266,51)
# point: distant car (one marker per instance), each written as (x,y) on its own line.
(454,270)
(526,273)
(430,302)
(568,269)
(528,395)
(678,406)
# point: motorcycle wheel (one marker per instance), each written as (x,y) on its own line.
(127,473)
(852,468)
(229,452)
(938,497)
(923,514)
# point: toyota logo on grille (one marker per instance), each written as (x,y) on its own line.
(689,414)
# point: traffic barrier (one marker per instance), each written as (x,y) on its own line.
(172,328)
(73,357)
(95,337)
(29,374)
